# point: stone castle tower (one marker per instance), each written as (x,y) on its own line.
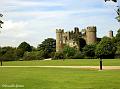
(110,34)
(67,37)
(91,35)
(59,40)
(88,34)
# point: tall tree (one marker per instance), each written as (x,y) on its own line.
(118,35)
(117,42)
(1,22)
(25,47)
(48,46)
(89,50)
(105,48)
(118,14)
(7,53)
(118,10)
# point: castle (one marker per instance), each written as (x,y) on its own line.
(88,34)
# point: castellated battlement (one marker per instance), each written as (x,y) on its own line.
(91,37)
(89,34)
(59,30)
(91,29)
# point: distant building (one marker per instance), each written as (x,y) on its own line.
(88,34)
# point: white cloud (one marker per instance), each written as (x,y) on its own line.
(13,25)
(14,29)
(25,24)
(33,3)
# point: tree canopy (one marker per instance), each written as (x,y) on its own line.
(118,35)
(25,47)
(48,46)
(105,48)
(69,51)
(89,50)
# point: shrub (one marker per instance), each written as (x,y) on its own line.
(58,55)
(7,54)
(35,55)
(69,52)
(19,53)
(29,56)
(78,55)
(89,51)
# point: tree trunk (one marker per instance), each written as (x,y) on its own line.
(1,62)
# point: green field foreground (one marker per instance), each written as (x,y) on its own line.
(59,78)
(68,62)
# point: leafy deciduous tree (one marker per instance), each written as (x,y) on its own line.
(105,48)
(69,52)
(89,51)
(48,46)
(25,47)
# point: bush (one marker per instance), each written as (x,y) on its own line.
(19,53)
(69,52)
(9,56)
(52,54)
(29,56)
(89,51)
(58,55)
(78,55)
(35,55)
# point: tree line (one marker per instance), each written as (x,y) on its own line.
(27,52)
(106,48)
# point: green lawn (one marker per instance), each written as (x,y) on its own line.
(73,62)
(59,78)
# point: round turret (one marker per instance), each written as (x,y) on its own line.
(91,35)
(91,29)
(59,40)
(110,34)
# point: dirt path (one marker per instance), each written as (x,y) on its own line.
(82,67)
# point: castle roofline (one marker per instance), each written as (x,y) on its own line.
(91,28)
(59,30)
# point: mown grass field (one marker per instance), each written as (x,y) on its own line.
(59,78)
(73,62)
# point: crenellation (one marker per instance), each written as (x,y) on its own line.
(91,28)
(59,30)
(76,30)
(91,37)
(88,34)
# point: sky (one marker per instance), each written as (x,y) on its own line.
(35,20)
